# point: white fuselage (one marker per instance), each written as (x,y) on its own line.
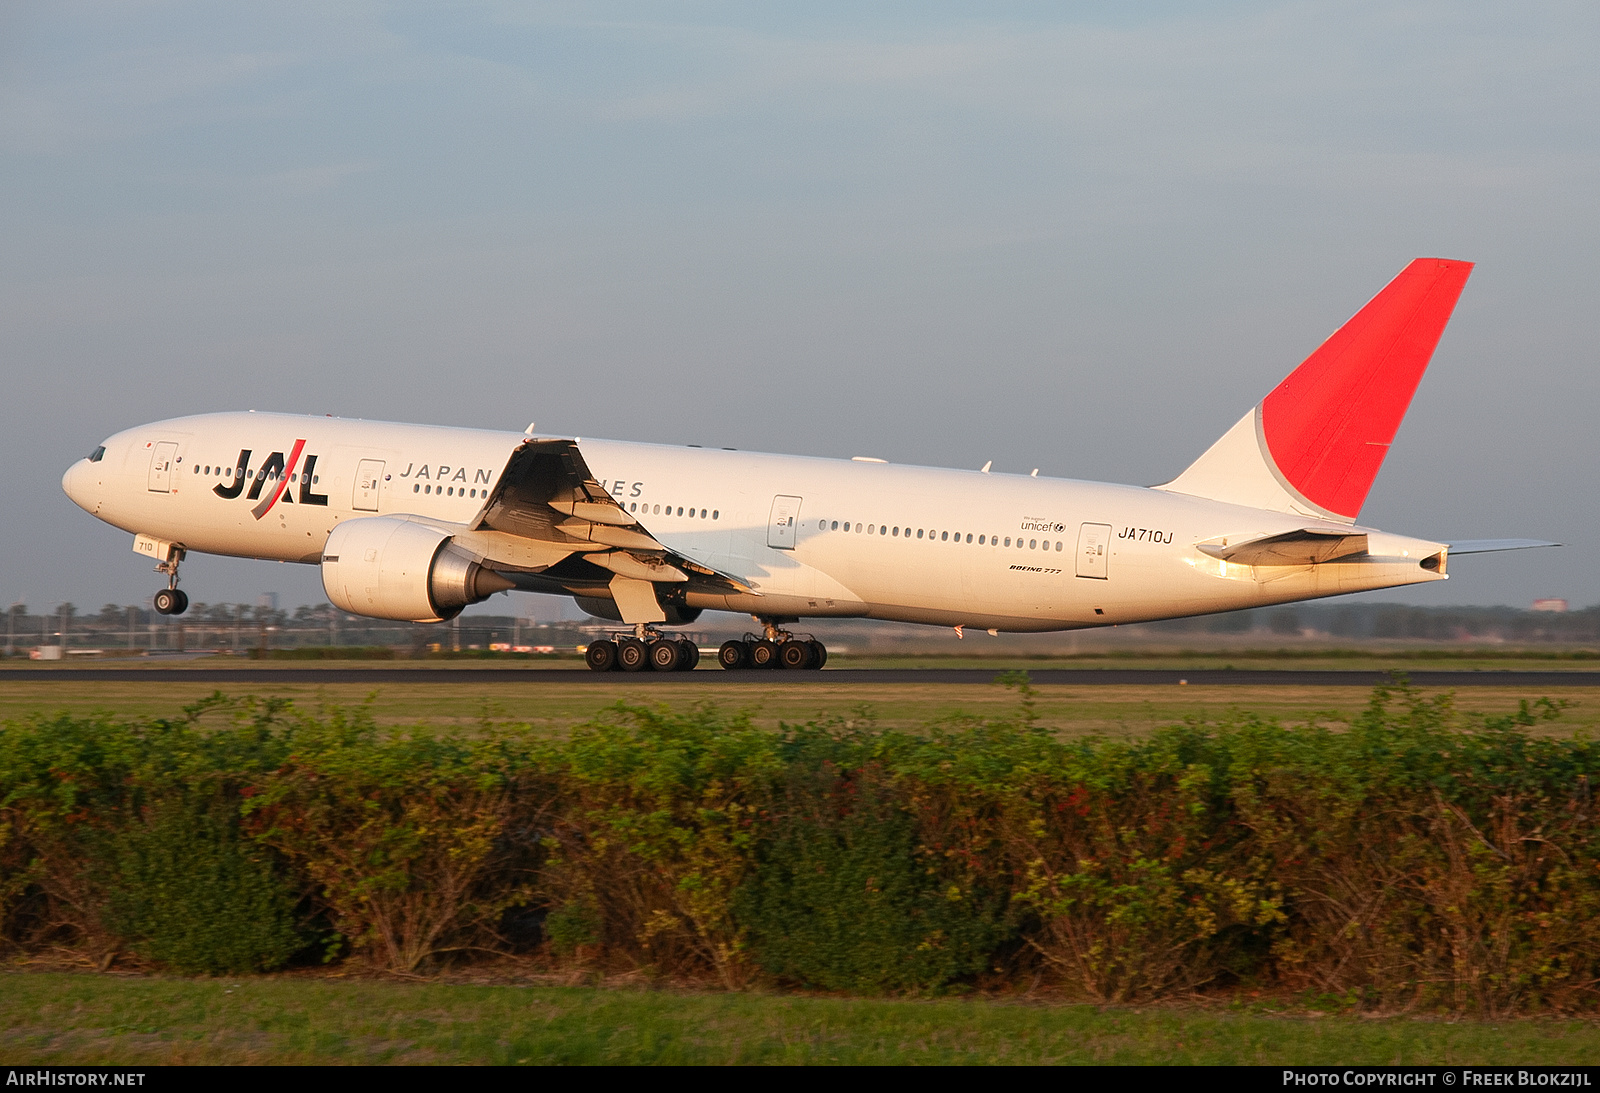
(962,548)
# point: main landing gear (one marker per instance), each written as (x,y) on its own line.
(776,648)
(645,649)
(171,600)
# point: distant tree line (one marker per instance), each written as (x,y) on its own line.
(241,627)
(1392,620)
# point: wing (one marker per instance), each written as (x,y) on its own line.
(570,531)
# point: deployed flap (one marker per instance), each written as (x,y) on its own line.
(636,600)
(548,494)
(1315,443)
(1308,546)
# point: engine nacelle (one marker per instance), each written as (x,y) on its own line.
(385,567)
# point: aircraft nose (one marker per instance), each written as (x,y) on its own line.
(74,485)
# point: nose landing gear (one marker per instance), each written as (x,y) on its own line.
(776,648)
(171,600)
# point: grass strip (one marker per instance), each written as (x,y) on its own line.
(81,1018)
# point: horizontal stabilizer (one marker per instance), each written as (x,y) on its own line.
(1489,546)
(1308,546)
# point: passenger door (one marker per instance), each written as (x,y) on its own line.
(161,466)
(781,523)
(1094,550)
(369,485)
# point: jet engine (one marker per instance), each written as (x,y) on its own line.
(386,567)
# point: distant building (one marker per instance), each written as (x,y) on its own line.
(269,600)
(1550,605)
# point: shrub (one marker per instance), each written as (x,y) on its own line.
(73,792)
(186,893)
(414,845)
(654,833)
(1429,860)
(846,893)
(1417,858)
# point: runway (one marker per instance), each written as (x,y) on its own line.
(1074,677)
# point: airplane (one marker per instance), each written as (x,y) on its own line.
(415,522)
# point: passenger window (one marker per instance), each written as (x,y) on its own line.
(716,512)
(835,526)
(980,540)
(680,510)
(897,531)
(1008,540)
(969,536)
(315,479)
(1058,546)
(1033,544)
(871,528)
(416,489)
(919,533)
(943,535)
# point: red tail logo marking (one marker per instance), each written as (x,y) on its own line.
(1329,424)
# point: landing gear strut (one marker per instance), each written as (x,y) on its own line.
(775,648)
(171,600)
(646,649)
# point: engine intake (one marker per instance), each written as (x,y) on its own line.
(386,567)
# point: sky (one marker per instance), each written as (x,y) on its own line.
(1079,237)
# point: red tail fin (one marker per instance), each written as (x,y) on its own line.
(1329,424)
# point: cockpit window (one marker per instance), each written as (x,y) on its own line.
(98,454)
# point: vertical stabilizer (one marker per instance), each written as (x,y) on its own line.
(1313,446)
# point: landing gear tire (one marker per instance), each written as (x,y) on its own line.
(795,655)
(764,654)
(171,601)
(633,655)
(601,656)
(691,655)
(666,655)
(734,655)
(819,654)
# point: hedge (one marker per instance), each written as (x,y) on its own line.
(1418,858)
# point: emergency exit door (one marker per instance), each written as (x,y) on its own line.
(1094,550)
(369,481)
(161,467)
(781,524)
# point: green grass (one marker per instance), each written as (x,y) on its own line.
(551,708)
(61,1018)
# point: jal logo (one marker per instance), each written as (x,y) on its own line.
(279,473)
